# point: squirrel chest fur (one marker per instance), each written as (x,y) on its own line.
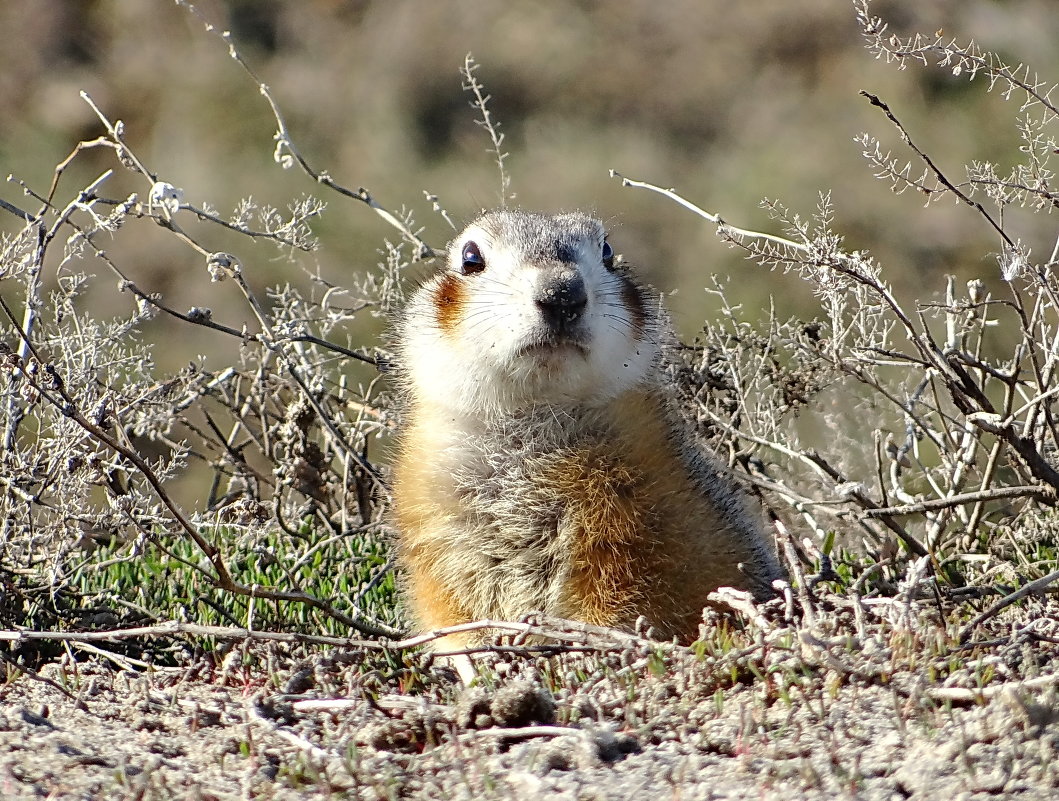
(541,466)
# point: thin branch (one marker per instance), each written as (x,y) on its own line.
(976,695)
(562,631)
(950,501)
(13,209)
(287,154)
(1039,585)
(716,219)
(496,138)
(906,137)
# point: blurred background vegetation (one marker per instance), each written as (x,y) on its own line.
(727,102)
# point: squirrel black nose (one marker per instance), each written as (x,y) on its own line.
(562,301)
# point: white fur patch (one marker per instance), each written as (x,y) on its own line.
(485,362)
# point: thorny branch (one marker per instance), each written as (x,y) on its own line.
(968,60)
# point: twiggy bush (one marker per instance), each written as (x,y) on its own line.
(293,524)
(917,426)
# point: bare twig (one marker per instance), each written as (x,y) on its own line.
(287,154)
(950,501)
(496,138)
(951,187)
(1033,587)
(978,694)
(561,631)
(55,394)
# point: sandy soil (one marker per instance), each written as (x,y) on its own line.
(780,712)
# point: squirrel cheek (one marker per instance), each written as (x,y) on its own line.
(633,300)
(448,301)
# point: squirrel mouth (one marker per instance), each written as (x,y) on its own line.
(553,345)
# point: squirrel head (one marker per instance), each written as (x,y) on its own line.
(530,309)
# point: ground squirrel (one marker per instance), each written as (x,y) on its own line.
(542,466)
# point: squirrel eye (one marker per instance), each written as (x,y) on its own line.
(608,255)
(473,261)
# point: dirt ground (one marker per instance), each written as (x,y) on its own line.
(829,708)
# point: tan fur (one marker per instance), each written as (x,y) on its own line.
(640,525)
(600,509)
